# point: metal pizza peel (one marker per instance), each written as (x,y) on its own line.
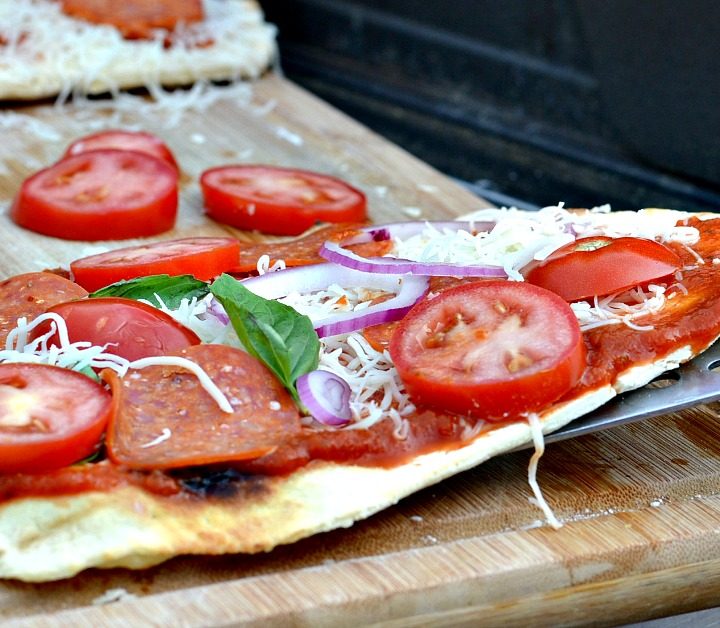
(691,384)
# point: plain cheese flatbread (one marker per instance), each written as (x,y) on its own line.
(44,53)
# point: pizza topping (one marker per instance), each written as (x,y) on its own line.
(273,332)
(133,329)
(25,344)
(103,194)
(326,396)
(325,284)
(124,140)
(204,258)
(166,398)
(599,265)
(339,253)
(280,201)
(164,289)
(494,350)
(28,295)
(539,443)
(499,242)
(50,417)
(377,393)
(211,388)
(136,19)
(623,307)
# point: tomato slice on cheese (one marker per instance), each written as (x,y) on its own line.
(493,349)
(598,265)
(165,419)
(50,417)
(139,141)
(202,257)
(99,195)
(131,329)
(280,201)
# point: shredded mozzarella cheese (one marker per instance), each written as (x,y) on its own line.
(539,442)
(79,356)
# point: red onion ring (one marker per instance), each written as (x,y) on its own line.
(337,253)
(305,279)
(326,396)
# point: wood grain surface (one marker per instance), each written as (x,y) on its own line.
(640,504)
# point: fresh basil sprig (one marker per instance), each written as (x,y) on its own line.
(172,290)
(279,336)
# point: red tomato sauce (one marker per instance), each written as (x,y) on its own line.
(83,478)
(692,319)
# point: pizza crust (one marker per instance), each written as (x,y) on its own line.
(48,53)
(132,528)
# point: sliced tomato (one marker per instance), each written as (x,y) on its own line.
(598,265)
(135,19)
(204,258)
(280,201)
(132,329)
(30,294)
(99,195)
(165,419)
(139,141)
(492,349)
(50,417)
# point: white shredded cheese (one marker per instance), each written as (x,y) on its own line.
(539,442)
(165,434)
(82,355)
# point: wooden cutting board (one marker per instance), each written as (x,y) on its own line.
(640,504)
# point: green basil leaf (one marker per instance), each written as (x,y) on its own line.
(171,289)
(279,336)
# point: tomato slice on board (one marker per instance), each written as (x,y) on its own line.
(132,329)
(139,141)
(135,19)
(31,294)
(202,257)
(598,265)
(279,201)
(165,419)
(491,349)
(50,417)
(99,195)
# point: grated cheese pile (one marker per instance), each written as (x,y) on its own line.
(520,237)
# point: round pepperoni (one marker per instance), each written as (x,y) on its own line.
(32,294)
(165,419)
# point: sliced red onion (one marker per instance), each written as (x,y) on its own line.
(217,310)
(337,253)
(326,396)
(306,279)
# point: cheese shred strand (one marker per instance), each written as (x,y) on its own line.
(539,442)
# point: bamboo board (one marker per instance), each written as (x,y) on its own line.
(641,503)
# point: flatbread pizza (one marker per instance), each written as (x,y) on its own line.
(306,385)
(57,48)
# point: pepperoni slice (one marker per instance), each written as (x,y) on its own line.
(165,419)
(32,294)
(303,251)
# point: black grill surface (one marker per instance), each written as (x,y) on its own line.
(512,97)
